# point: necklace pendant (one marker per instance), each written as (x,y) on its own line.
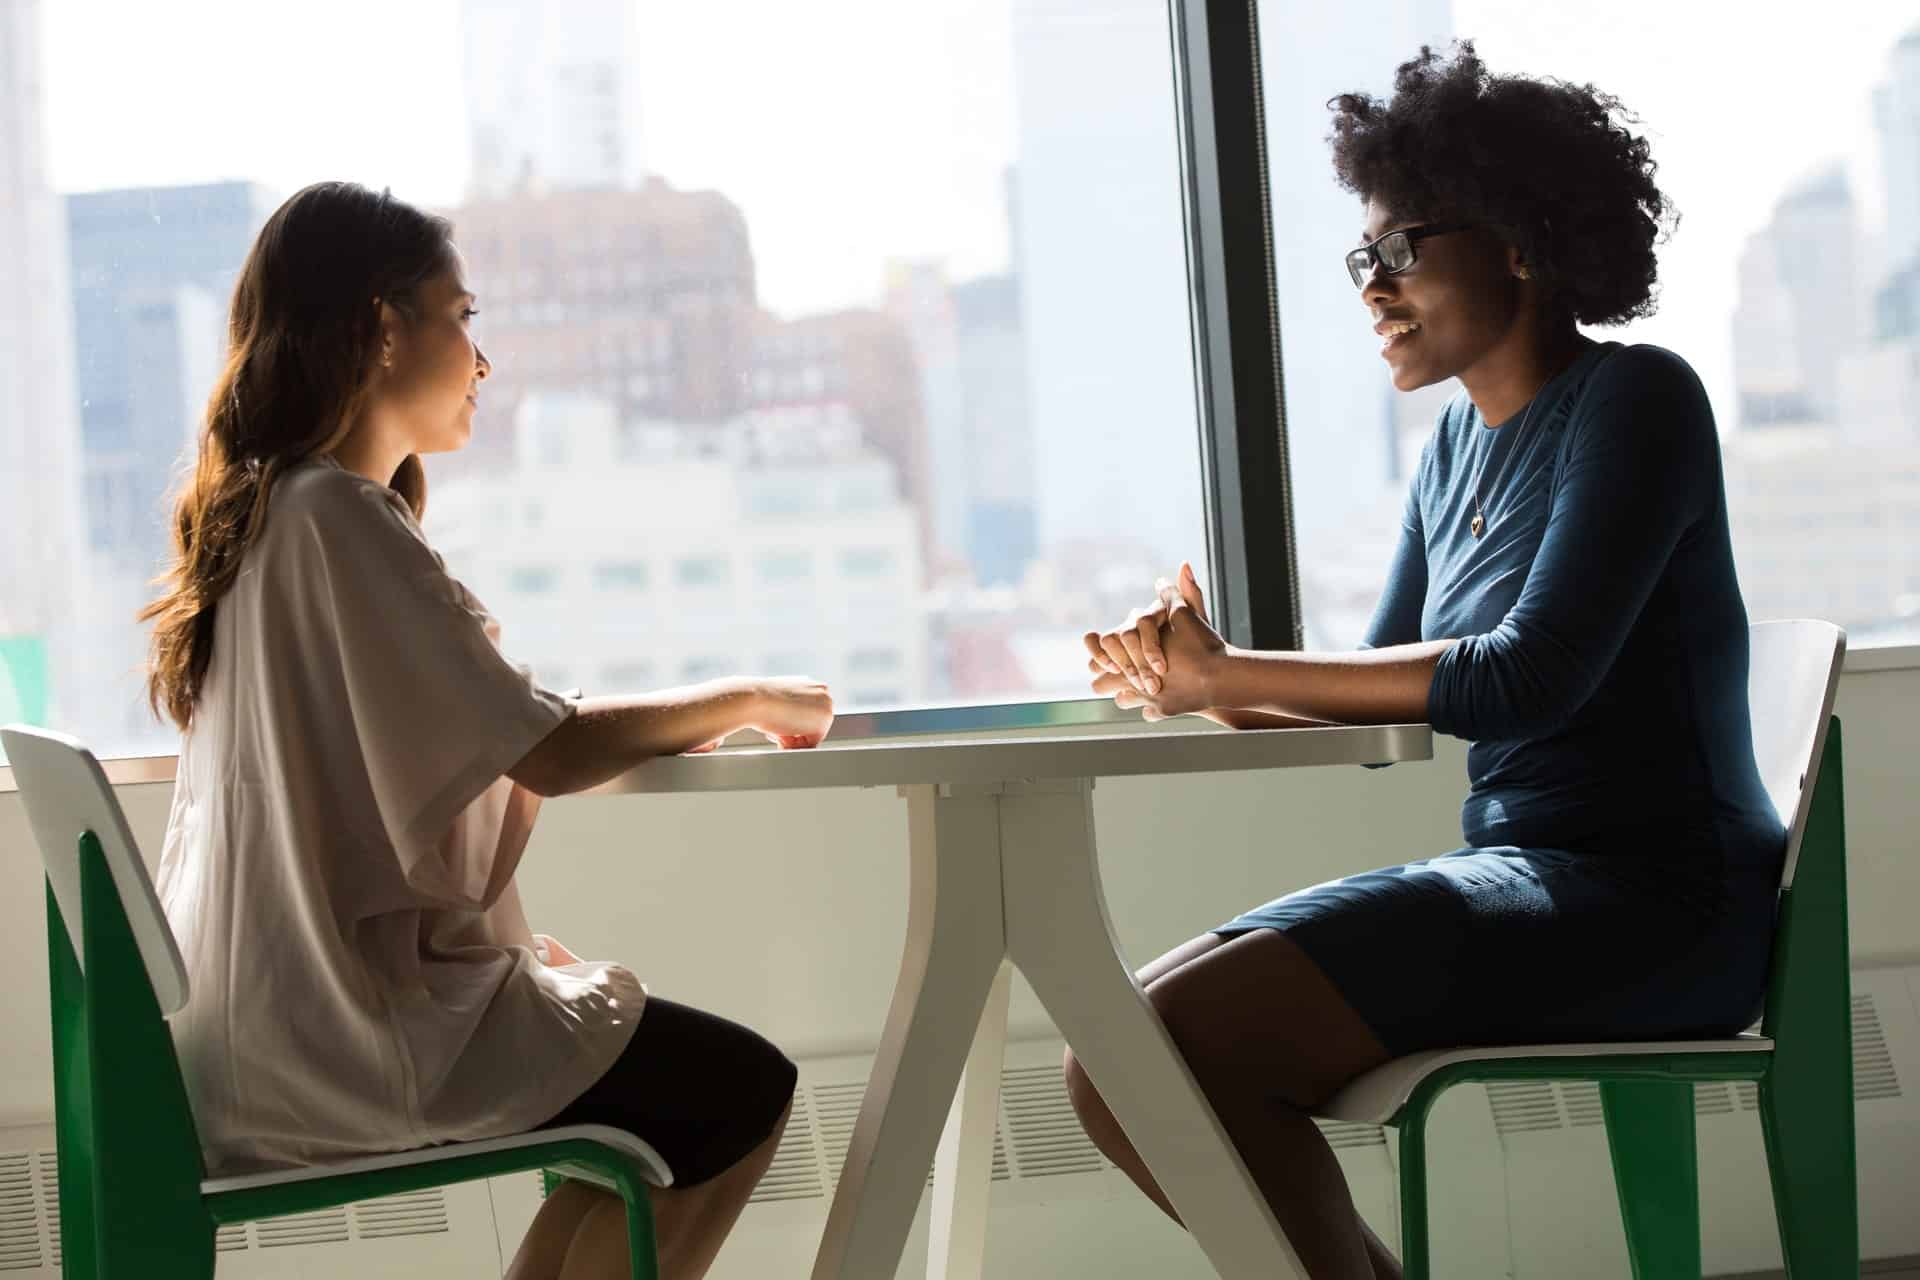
(1478,526)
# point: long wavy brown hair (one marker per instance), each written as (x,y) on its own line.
(303,342)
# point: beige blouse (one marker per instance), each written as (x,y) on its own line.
(339,860)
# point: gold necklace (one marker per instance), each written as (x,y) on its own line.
(1479,524)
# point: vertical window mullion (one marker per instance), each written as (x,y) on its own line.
(1236,328)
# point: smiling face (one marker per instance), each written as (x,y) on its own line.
(1441,317)
(430,388)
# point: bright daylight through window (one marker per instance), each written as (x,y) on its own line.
(1789,141)
(860,345)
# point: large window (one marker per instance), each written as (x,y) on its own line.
(858,331)
(1789,139)
(906,339)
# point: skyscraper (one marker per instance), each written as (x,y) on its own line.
(153,272)
(39,471)
(644,297)
(920,297)
(1103,276)
(1800,307)
(552,100)
(991,350)
(1339,423)
(1896,118)
(1767,378)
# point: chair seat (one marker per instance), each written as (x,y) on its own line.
(620,1140)
(1377,1096)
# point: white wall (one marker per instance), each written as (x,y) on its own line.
(786,910)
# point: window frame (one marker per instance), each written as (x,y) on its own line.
(1239,402)
(1239,381)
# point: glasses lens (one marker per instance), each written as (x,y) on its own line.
(1359,263)
(1396,252)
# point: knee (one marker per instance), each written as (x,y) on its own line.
(1095,1118)
(1203,1041)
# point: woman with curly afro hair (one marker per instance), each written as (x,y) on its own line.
(1563,597)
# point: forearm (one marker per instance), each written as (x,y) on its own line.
(1368,686)
(1237,718)
(605,737)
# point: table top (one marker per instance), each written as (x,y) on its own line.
(980,760)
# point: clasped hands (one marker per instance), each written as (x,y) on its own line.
(1165,659)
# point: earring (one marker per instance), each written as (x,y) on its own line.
(1524,272)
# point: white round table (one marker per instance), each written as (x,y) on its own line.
(1004,872)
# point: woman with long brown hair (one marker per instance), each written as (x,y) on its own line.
(360,769)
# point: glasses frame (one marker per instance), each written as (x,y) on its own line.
(1360,262)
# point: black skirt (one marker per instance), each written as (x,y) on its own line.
(700,1090)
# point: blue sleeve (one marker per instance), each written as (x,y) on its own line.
(1637,471)
(1396,618)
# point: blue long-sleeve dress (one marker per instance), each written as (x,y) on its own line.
(1622,857)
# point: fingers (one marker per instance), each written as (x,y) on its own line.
(1151,655)
(1099,660)
(793,741)
(1136,654)
(1116,653)
(1124,695)
(1190,590)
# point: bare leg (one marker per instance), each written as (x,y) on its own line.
(689,1224)
(544,1247)
(1267,1036)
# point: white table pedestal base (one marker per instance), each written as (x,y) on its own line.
(1007,872)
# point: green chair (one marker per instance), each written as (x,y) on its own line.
(135,1201)
(1802,1057)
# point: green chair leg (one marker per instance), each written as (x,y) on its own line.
(1806,1100)
(1809,1138)
(1650,1132)
(1412,1127)
(642,1246)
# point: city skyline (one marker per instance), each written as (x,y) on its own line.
(1715,149)
(1019,401)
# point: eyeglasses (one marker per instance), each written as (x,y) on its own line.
(1394,251)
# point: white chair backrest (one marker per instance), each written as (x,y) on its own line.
(1792,677)
(67,793)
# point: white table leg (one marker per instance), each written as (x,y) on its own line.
(963,1165)
(1059,934)
(955,944)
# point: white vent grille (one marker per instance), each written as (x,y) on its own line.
(835,1108)
(795,1172)
(1530,1106)
(828,1124)
(1047,1137)
(48,1163)
(230,1238)
(328,1226)
(1523,1106)
(1873,1073)
(19,1214)
(1001,1169)
(417,1213)
(1343,1135)
(1582,1100)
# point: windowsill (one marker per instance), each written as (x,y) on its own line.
(1072,717)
